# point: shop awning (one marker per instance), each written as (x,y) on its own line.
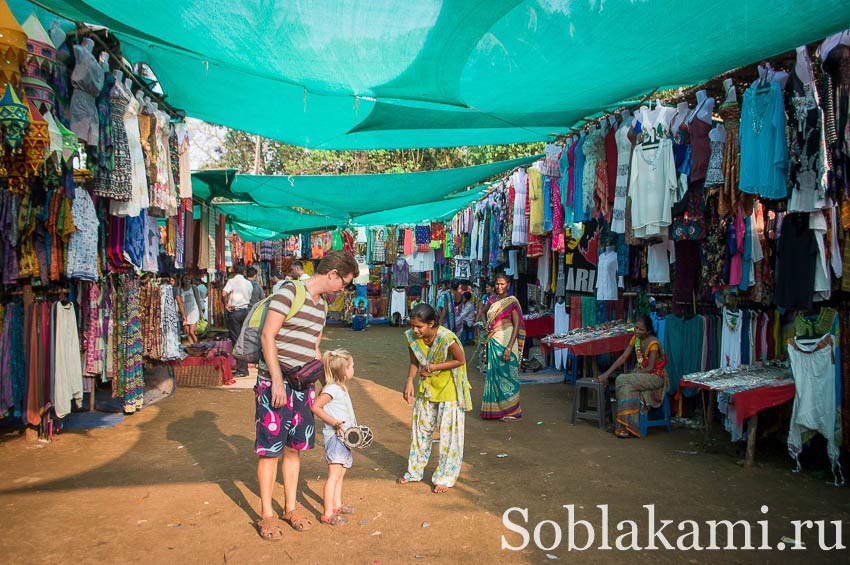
(352,195)
(433,211)
(251,233)
(282,220)
(343,74)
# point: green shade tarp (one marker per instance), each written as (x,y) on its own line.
(352,195)
(251,233)
(207,185)
(281,220)
(434,211)
(349,74)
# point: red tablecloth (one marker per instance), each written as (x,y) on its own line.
(540,327)
(611,344)
(750,402)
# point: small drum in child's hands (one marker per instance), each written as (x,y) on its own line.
(359,437)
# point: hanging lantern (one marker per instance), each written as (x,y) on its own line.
(39,67)
(36,140)
(14,118)
(13,47)
(70,142)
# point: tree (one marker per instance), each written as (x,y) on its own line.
(221,147)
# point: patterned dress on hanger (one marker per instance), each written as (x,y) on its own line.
(122,187)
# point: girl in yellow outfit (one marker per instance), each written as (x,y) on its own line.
(441,401)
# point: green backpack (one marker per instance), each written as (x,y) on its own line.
(249,347)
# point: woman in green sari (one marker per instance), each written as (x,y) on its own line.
(441,400)
(505,342)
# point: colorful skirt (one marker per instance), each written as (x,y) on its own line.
(501,387)
(636,392)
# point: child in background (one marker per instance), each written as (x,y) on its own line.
(333,407)
(466,319)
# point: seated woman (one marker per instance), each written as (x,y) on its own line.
(645,386)
(359,316)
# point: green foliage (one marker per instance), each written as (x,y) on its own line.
(237,149)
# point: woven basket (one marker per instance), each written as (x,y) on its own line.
(209,376)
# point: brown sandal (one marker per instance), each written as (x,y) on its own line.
(298,522)
(269,528)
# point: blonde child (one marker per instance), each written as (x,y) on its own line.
(333,407)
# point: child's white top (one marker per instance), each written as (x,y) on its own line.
(339,408)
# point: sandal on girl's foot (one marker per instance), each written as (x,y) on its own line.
(345,509)
(335,520)
(269,528)
(623,434)
(299,522)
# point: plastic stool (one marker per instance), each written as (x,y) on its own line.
(655,417)
(571,369)
(581,404)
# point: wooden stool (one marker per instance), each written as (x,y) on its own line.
(581,404)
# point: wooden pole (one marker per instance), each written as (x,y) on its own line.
(751,439)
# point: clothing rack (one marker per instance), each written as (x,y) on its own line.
(38,291)
(84,31)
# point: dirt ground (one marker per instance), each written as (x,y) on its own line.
(176,483)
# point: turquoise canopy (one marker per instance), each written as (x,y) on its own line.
(352,195)
(435,211)
(300,203)
(251,233)
(351,74)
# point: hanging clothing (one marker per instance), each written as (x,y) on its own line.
(700,148)
(606,277)
(652,186)
(87,79)
(519,182)
(730,193)
(823,281)
(536,201)
(562,326)
(594,153)
(624,155)
(170,324)
(730,343)
(813,366)
(717,143)
(797,253)
(658,259)
(398,303)
(808,193)
(577,170)
(81,261)
(67,385)
(764,151)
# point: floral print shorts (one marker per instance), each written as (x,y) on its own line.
(290,425)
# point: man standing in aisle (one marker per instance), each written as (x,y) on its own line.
(257,292)
(277,280)
(298,271)
(284,419)
(237,297)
